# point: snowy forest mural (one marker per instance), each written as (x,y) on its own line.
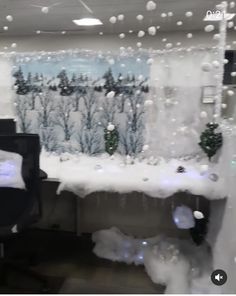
(70,102)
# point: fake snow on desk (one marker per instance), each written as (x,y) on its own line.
(178,264)
(158,178)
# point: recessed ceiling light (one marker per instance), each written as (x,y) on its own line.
(88,22)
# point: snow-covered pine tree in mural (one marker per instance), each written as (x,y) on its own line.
(68,102)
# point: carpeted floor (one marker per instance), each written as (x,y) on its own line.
(70,267)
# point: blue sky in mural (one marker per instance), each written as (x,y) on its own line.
(91,66)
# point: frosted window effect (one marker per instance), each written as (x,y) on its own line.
(173,121)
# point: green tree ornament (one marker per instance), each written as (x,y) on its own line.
(211,142)
(111,137)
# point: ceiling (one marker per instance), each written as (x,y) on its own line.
(28,18)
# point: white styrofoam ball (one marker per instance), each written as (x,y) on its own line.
(189,35)
(225,87)
(203,114)
(122,35)
(178,43)
(224,106)
(151,5)
(234,42)
(216,36)
(179,23)
(13,45)
(111,61)
(230,25)
(45,9)
(9,18)
(206,67)
(204,168)
(232,4)
(152,30)
(139,44)
(198,215)
(110,127)
(158,27)
(169,45)
(139,17)
(120,17)
(141,34)
(170,13)
(150,61)
(140,77)
(209,28)
(145,147)
(5,28)
(233,74)
(164,40)
(38,32)
(216,64)
(230,93)
(112,20)
(148,103)
(163,15)
(183,217)
(188,14)
(111,94)
(225,61)
(228,47)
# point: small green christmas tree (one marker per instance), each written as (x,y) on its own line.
(111,137)
(211,142)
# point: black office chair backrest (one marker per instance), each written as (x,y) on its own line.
(19,206)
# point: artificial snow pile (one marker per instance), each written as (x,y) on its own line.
(82,175)
(178,264)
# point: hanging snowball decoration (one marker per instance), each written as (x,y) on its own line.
(230,93)
(230,25)
(209,28)
(141,34)
(178,43)
(170,14)
(13,45)
(139,44)
(122,36)
(5,28)
(139,17)
(216,36)
(216,64)
(189,35)
(151,5)
(203,114)
(183,217)
(150,61)
(9,18)
(110,127)
(189,14)
(45,9)
(163,15)
(206,67)
(152,30)
(148,103)
(111,95)
(179,23)
(120,17)
(145,147)
(169,45)
(224,106)
(112,20)
(233,74)
(198,215)
(138,60)
(232,4)
(38,32)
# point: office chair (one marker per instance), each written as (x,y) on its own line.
(20,208)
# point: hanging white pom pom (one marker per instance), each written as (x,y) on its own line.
(13,45)
(45,9)
(179,23)
(188,14)
(120,17)
(38,32)
(111,61)
(189,35)
(183,217)
(110,127)
(228,47)
(178,43)
(198,215)
(112,20)
(209,28)
(151,5)
(232,4)
(9,18)
(145,147)
(203,114)
(5,28)
(139,17)
(216,64)
(152,30)
(164,40)
(111,94)
(230,25)
(163,15)
(169,45)
(224,106)
(148,103)
(141,34)
(139,44)
(122,36)
(150,61)
(206,67)
(233,74)
(216,36)
(230,93)
(170,14)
